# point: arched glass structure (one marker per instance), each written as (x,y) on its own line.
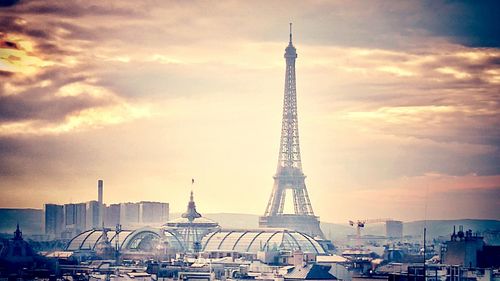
(88,239)
(252,241)
(242,241)
(144,239)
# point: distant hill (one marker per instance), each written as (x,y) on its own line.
(435,228)
(30,220)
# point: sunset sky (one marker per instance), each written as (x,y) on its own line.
(398,104)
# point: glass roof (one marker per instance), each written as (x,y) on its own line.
(76,242)
(123,235)
(91,240)
(87,240)
(244,241)
(252,241)
(173,239)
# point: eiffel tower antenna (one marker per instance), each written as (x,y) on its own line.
(289,175)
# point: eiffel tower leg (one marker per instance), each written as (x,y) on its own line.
(296,203)
(282,201)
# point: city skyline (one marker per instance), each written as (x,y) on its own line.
(398,105)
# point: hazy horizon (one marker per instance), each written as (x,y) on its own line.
(177,213)
(398,104)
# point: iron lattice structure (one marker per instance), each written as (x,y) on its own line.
(289,175)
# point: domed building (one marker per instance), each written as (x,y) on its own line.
(16,252)
(192,227)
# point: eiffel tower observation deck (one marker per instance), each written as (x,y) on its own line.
(289,175)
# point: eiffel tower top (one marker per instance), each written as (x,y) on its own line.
(289,154)
(290,51)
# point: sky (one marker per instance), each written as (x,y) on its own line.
(398,104)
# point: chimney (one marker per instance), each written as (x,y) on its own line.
(100,184)
(100,187)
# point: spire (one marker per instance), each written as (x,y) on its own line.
(104,238)
(18,235)
(290,51)
(191,212)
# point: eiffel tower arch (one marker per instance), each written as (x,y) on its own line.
(289,175)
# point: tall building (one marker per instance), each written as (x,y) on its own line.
(129,214)
(153,212)
(54,220)
(135,214)
(112,215)
(394,229)
(81,216)
(75,217)
(92,215)
(289,175)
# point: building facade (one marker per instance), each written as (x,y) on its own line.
(129,214)
(153,212)
(75,218)
(92,218)
(112,215)
(54,220)
(394,229)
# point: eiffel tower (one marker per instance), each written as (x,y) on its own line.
(289,175)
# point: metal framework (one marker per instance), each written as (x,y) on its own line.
(289,175)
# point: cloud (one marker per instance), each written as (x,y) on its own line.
(61,103)
(7,3)
(33,106)
(6,73)
(470,23)
(149,93)
(16,24)
(72,10)
(8,45)
(44,93)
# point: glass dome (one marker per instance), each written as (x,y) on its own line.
(252,241)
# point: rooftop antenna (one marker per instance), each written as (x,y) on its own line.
(425,229)
(290,34)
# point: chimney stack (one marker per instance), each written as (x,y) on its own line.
(100,184)
(100,187)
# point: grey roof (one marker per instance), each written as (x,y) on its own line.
(310,272)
